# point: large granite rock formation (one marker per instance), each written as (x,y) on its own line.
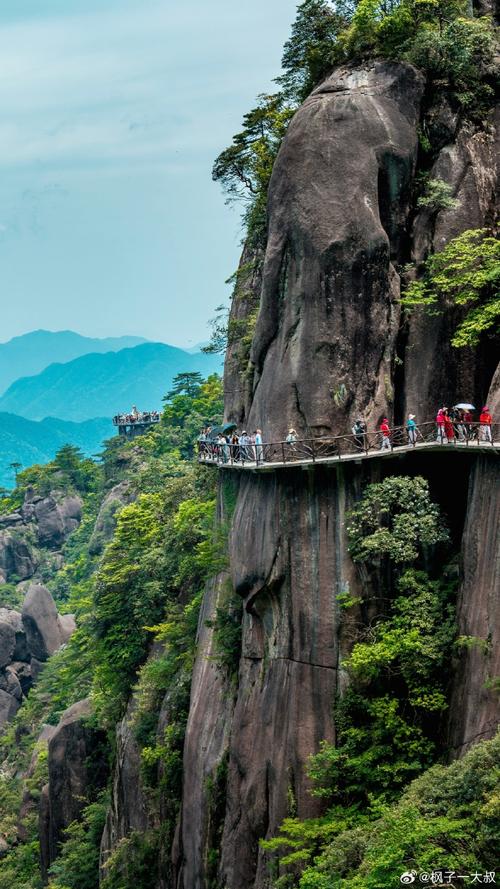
(337,216)
(27,639)
(119,496)
(17,555)
(474,710)
(41,522)
(45,629)
(329,344)
(76,770)
(128,809)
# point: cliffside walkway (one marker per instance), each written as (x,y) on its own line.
(344,448)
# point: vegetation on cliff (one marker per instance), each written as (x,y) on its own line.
(465,273)
(133,575)
(391,718)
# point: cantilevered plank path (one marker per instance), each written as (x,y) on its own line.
(338,450)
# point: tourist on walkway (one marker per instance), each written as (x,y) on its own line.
(259,450)
(411,429)
(449,429)
(235,450)
(460,427)
(359,432)
(202,444)
(386,435)
(485,425)
(291,437)
(441,436)
(468,421)
(222,448)
(246,450)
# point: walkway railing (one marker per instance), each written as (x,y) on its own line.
(143,419)
(343,447)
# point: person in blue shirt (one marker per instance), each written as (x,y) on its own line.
(411,429)
(259,450)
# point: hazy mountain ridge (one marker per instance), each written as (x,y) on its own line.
(32,352)
(97,385)
(28,442)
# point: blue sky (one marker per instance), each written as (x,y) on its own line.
(112,114)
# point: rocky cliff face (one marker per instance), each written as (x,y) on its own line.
(41,523)
(32,537)
(77,767)
(27,639)
(329,344)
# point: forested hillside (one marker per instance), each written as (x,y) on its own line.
(132,573)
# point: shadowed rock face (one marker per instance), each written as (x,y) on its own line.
(17,557)
(474,710)
(26,641)
(128,809)
(207,741)
(324,342)
(288,562)
(436,373)
(75,769)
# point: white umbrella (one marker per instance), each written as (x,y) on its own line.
(464,407)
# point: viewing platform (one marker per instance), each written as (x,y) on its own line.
(135,423)
(342,449)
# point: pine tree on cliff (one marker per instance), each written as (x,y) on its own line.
(307,54)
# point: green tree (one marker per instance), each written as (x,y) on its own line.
(244,169)
(218,335)
(187,383)
(15,466)
(395,519)
(465,273)
(309,53)
(437,195)
(450,815)
(77,469)
(77,866)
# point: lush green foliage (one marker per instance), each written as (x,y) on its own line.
(466,273)
(438,195)
(310,50)
(395,519)
(136,582)
(227,630)
(134,862)
(389,719)
(448,819)
(68,472)
(78,865)
(187,411)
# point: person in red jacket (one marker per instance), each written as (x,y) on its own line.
(449,429)
(386,435)
(485,425)
(440,421)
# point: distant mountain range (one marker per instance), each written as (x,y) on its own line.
(26,442)
(100,385)
(30,353)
